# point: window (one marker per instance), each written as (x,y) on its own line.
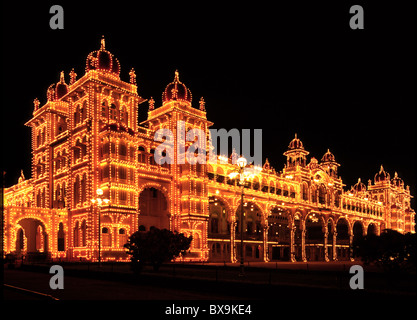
(122,173)
(106,237)
(113,112)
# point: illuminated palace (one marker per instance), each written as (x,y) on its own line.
(87,137)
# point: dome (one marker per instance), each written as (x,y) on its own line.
(381,176)
(328,157)
(397,181)
(102,60)
(295,143)
(177,91)
(57,90)
(359,186)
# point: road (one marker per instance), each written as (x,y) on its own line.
(94,289)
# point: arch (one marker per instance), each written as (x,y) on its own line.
(153,207)
(61,237)
(35,236)
(304,191)
(314,237)
(219,217)
(343,232)
(372,229)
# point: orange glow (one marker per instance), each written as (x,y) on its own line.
(86,137)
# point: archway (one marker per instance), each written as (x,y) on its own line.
(314,238)
(32,236)
(342,239)
(279,233)
(252,231)
(219,230)
(372,229)
(153,209)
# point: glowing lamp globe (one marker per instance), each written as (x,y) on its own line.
(241,162)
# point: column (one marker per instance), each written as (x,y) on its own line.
(232,242)
(303,245)
(292,253)
(334,245)
(326,252)
(265,243)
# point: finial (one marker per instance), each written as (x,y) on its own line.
(202,104)
(177,76)
(36,103)
(61,77)
(103,43)
(22,177)
(132,75)
(295,136)
(382,169)
(73,76)
(151,104)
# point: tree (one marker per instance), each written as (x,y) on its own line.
(391,250)
(155,247)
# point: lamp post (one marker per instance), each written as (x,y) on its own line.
(99,202)
(244,174)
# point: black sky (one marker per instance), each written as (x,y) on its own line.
(286,68)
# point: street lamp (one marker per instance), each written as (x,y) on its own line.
(99,201)
(244,174)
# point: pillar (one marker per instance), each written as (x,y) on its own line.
(334,245)
(265,244)
(232,242)
(303,245)
(292,253)
(326,252)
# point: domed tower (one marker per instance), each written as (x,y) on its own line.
(103,61)
(57,90)
(176,91)
(296,155)
(329,164)
(359,187)
(382,176)
(397,181)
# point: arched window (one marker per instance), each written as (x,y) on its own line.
(124,116)
(76,235)
(83,233)
(77,190)
(196,238)
(304,191)
(84,111)
(122,237)
(104,110)
(141,154)
(106,236)
(61,237)
(84,188)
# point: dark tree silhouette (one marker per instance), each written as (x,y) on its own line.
(155,247)
(390,250)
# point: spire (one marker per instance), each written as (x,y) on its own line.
(103,43)
(36,103)
(132,75)
(22,177)
(151,104)
(202,104)
(73,76)
(61,77)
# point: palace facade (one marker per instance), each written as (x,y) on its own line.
(86,136)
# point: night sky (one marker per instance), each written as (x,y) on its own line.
(293,68)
